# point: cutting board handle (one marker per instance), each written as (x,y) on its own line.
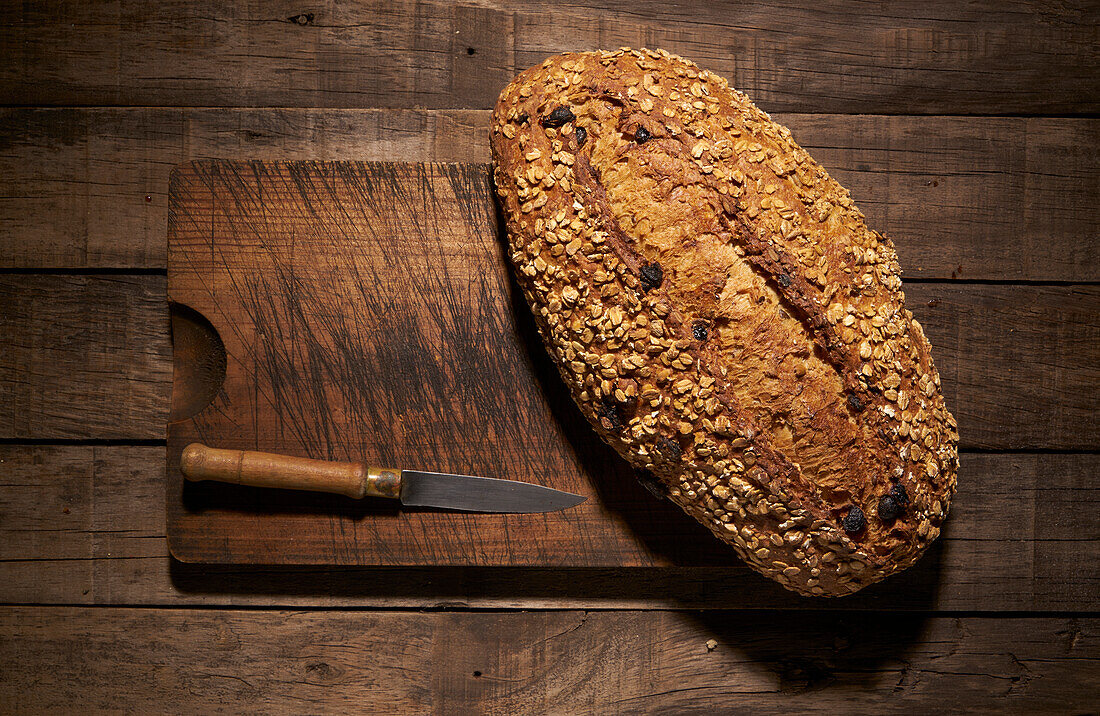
(261,469)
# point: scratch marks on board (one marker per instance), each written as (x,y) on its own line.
(378,338)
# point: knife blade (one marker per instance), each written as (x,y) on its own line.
(414,488)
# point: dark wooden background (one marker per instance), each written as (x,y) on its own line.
(969,132)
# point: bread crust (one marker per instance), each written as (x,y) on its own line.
(723,316)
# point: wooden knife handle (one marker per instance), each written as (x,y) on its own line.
(261,469)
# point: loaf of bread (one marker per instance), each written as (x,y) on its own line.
(723,316)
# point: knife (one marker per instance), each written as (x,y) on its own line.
(356,480)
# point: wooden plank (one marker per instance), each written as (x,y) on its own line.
(998,380)
(966,197)
(928,57)
(83,357)
(550,662)
(88,357)
(85,525)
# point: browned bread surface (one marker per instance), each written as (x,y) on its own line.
(723,316)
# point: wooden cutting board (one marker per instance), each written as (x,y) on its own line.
(365,311)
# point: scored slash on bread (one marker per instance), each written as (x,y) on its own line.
(723,316)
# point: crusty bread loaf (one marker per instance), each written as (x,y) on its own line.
(723,316)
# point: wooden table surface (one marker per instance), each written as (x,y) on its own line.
(969,132)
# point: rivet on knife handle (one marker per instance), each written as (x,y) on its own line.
(261,469)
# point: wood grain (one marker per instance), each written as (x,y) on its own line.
(963,197)
(541,663)
(85,525)
(928,57)
(83,357)
(992,379)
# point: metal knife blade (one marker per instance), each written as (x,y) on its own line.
(480,494)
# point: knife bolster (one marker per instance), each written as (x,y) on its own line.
(383,482)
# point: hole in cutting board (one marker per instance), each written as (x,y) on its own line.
(198,362)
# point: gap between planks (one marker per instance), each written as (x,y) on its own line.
(106,442)
(123,271)
(475,609)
